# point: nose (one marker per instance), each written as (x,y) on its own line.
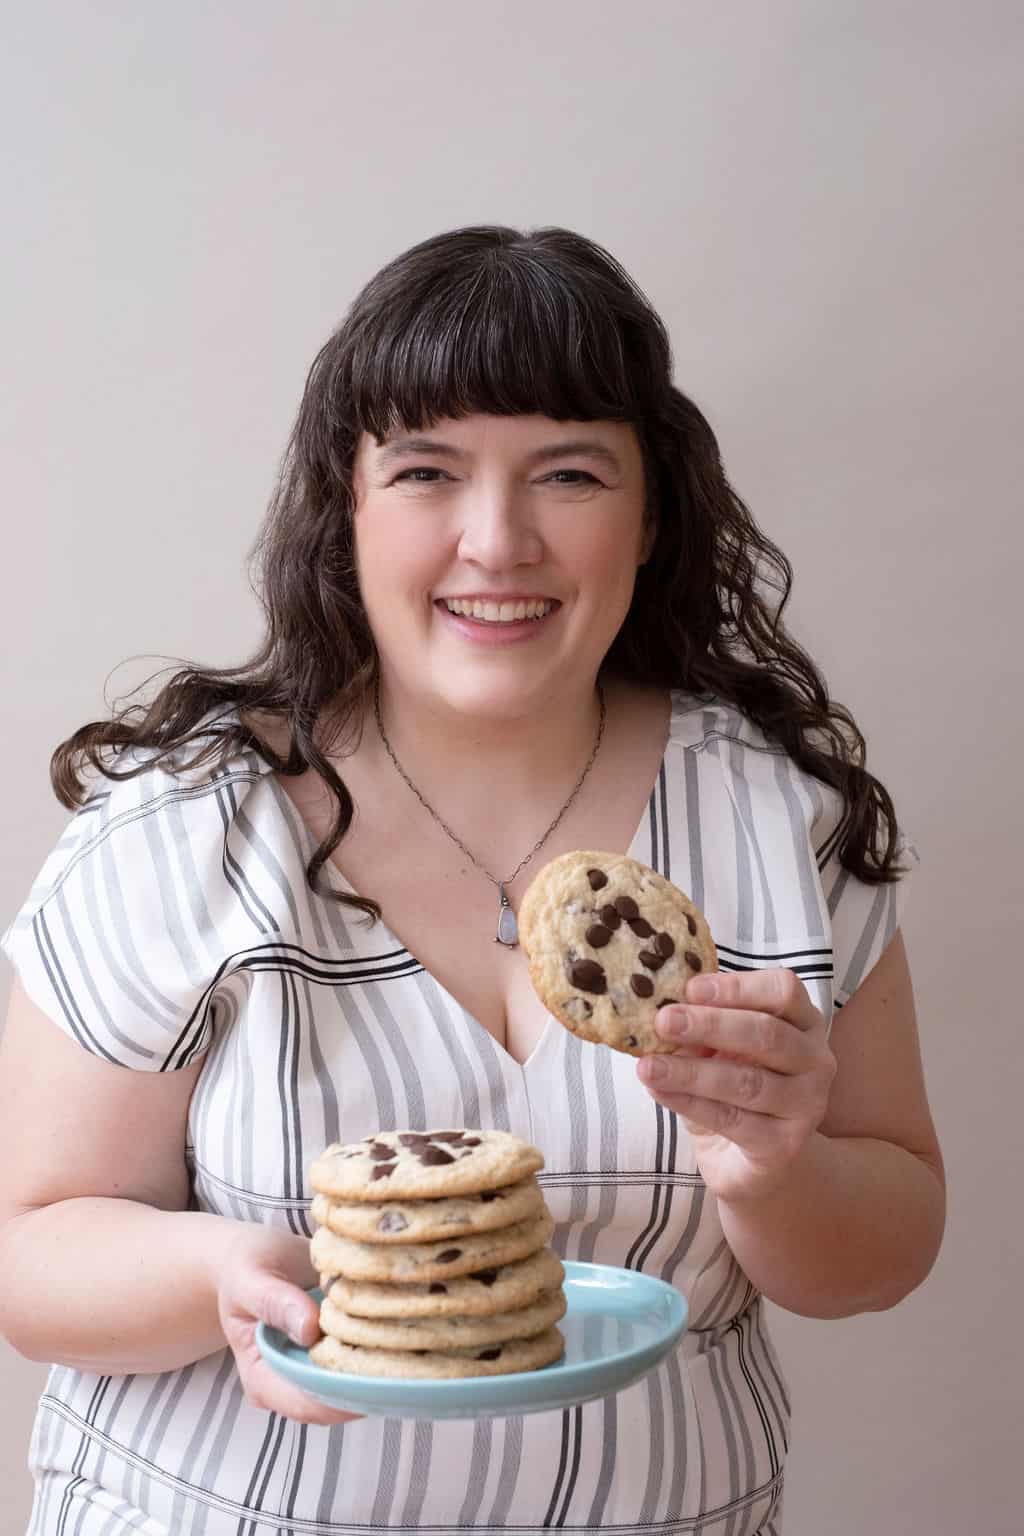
(497,530)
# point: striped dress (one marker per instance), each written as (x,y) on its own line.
(173,920)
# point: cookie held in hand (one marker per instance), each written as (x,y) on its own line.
(609,942)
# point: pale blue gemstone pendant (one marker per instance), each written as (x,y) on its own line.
(508,930)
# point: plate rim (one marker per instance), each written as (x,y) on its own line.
(415,1388)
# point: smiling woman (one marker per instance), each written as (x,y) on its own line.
(513,609)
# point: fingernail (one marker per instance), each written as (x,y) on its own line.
(295,1322)
(653,1069)
(672,1023)
(702,989)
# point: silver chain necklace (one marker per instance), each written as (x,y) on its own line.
(508,931)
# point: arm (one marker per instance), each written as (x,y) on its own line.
(93,1195)
(822,1154)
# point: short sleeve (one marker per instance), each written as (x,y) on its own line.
(864,917)
(115,942)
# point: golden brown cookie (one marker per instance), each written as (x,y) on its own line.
(420,1221)
(423,1165)
(609,942)
(502,1289)
(442,1332)
(487,1360)
(334,1255)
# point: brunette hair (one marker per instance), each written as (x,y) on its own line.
(491,319)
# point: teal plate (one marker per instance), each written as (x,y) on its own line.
(618,1325)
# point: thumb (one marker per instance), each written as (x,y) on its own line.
(281,1304)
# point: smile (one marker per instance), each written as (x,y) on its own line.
(499,613)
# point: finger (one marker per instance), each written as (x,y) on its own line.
(735,1085)
(739,1032)
(255,1294)
(758,1135)
(774,990)
(264,1388)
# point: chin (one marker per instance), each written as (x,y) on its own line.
(490,699)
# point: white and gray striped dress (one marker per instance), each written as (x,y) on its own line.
(173,919)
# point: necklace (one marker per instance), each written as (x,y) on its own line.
(508,931)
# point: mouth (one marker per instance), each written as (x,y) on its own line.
(505,611)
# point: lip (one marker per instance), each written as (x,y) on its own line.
(485,632)
(495,597)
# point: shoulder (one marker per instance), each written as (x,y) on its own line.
(699,721)
(736,760)
(156,811)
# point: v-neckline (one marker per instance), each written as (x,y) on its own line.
(342,884)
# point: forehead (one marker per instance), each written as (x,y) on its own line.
(481,434)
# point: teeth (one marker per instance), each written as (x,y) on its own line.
(498,613)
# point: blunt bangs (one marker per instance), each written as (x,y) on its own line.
(544,323)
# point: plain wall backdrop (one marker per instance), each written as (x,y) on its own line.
(819,197)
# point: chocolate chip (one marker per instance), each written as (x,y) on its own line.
(471,1141)
(663,945)
(597,878)
(598,935)
(609,916)
(452,1137)
(437,1288)
(490,1354)
(652,961)
(626,907)
(413,1138)
(631,1039)
(642,985)
(485,1276)
(391,1221)
(693,961)
(448,1256)
(382,1170)
(691,923)
(431,1157)
(578,1009)
(380,1153)
(588,976)
(641,927)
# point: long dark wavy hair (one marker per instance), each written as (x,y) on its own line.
(491,319)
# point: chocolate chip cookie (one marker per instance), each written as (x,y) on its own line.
(334,1255)
(442,1333)
(504,1288)
(489,1360)
(419,1165)
(609,942)
(420,1221)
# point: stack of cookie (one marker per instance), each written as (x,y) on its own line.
(432,1252)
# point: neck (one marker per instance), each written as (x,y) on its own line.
(475,769)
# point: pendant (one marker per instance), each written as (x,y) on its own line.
(508,930)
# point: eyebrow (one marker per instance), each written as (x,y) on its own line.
(401,447)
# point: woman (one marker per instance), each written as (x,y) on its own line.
(513,608)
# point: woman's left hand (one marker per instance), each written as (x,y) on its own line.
(750,1076)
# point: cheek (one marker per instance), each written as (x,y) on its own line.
(608,562)
(395,558)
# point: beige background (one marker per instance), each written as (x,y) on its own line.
(819,197)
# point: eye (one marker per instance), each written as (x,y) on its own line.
(582,473)
(407,474)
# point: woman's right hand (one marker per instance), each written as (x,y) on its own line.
(262,1278)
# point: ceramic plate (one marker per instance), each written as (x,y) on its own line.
(619,1324)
